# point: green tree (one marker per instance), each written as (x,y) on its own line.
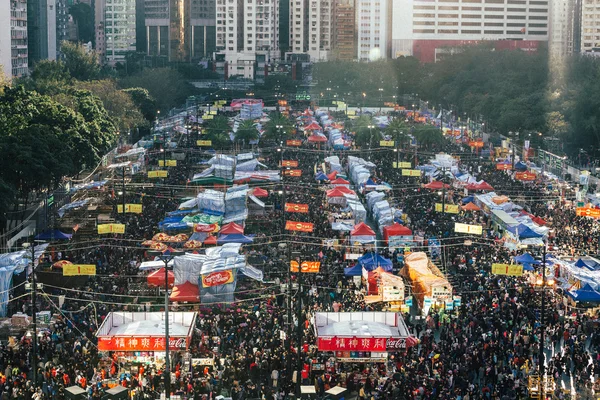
(142,99)
(217,131)
(83,16)
(246,132)
(398,131)
(82,64)
(274,135)
(428,136)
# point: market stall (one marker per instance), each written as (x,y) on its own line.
(430,286)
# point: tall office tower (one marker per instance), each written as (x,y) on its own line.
(311,28)
(182,30)
(100,29)
(41,30)
(373,25)
(18,36)
(429,29)
(119,30)
(563,27)
(590,27)
(344,36)
(247,37)
(5,57)
(62,22)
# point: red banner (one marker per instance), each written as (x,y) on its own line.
(217,278)
(293,207)
(289,163)
(141,343)
(310,267)
(525,176)
(298,226)
(337,343)
(292,172)
(587,212)
(476,144)
(504,167)
(293,143)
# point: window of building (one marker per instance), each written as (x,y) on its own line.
(471,31)
(423,30)
(493,32)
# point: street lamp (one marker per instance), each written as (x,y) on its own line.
(370,138)
(166,257)
(33,287)
(279,128)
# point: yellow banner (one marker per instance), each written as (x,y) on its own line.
(170,163)
(111,228)
(411,172)
(157,174)
(213,112)
(402,164)
(466,228)
(448,208)
(507,269)
(386,143)
(79,269)
(204,142)
(351,112)
(209,116)
(130,208)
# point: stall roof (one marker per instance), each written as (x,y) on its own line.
(360,324)
(121,323)
(506,219)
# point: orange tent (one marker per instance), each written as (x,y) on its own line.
(470,207)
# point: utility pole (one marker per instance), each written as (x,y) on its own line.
(33,288)
(300,322)
(441,119)
(123,189)
(543,328)
(164,155)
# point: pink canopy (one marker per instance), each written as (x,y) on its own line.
(435,185)
(480,186)
(362,229)
(345,189)
(339,181)
(313,127)
(336,192)
(231,228)
(317,139)
(186,292)
(211,240)
(331,176)
(258,192)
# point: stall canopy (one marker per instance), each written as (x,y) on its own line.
(470,207)
(258,192)
(436,185)
(526,258)
(54,234)
(372,261)
(317,138)
(362,229)
(231,228)
(321,177)
(480,186)
(524,232)
(313,127)
(585,294)
(340,181)
(186,292)
(355,270)
(234,238)
(211,240)
(332,175)
(157,278)
(588,263)
(520,166)
(396,230)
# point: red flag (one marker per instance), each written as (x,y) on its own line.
(76,228)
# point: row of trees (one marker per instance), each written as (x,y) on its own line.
(511,91)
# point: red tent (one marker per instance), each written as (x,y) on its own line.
(258,192)
(435,185)
(345,189)
(362,229)
(231,228)
(339,181)
(307,112)
(186,292)
(211,240)
(396,230)
(479,186)
(373,280)
(204,228)
(157,278)
(317,139)
(331,176)
(538,220)
(313,127)
(335,193)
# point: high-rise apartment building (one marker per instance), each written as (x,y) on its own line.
(311,28)
(247,37)
(428,29)
(564,31)
(62,24)
(41,30)
(119,29)
(18,38)
(590,27)
(373,25)
(5,54)
(344,31)
(182,30)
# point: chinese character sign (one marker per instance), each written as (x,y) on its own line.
(141,343)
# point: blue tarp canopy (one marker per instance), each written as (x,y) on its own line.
(370,182)
(590,264)
(181,212)
(586,294)
(528,267)
(353,271)
(526,258)
(234,238)
(321,177)
(468,199)
(520,166)
(371,261)
(524,232)
(54,234)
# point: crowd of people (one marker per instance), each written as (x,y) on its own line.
(486,348)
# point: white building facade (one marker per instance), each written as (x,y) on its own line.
(311,28)
(373,26)
(590,27)
(18,37)
(119,30)
(5,58)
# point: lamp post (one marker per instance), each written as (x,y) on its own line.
(370,139)
(167,258)
(33,289)
(380,98)
(299,318)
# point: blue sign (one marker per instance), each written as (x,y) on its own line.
(408,301)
